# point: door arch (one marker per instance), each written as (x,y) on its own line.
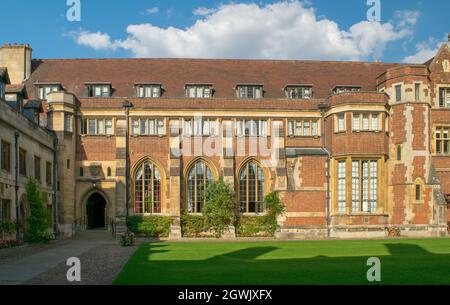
(96,211)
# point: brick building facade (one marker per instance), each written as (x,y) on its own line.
(353,147)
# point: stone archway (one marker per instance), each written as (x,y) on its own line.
(96,211)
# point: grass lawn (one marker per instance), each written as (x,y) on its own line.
(405,261)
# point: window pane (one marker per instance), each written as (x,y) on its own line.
(92,127)
(341,187)
(144,126)
(160,127)
(341,122)
(290,128)
(109,127)
(365,186)
(365,122)
(375,122)
(355,186)
(152,129)
(373,186)
(356,122)
(306,129)
(135,127)
(315,128)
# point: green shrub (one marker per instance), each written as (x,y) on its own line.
(274,208)
(194,226)
(253,226)
(127,239)
(37,221)
(149,226)
(7,227)
(265,225)
(220,208)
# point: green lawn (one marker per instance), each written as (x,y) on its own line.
(425,261)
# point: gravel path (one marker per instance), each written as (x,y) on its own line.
(99,266)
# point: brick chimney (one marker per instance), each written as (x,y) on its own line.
(17,58)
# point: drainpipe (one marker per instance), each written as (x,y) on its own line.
(16,172)
(55,186)
(323,108)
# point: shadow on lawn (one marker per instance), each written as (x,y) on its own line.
(406,264)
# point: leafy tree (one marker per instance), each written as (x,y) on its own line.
(37,221)
(220,207)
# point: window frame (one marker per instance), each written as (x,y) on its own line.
(245,127)
(259,203)
(249,91)
(23,162)
(158,125)
(294,123)
(5,156)
(199,91)
(155,90)
(91,90)
(360,118)
(298,92)
(398,93)
(155,209)
(195,199)
(444,97)
(86,126)
(442,142)
(42,93)
(37,168)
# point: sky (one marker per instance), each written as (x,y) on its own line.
(403,31)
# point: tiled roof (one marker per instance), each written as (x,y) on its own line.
(224,75)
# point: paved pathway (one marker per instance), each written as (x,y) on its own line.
(25,269)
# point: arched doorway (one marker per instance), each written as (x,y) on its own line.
(96,211)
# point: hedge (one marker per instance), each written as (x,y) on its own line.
(194,226)
(149,226)
(253,226)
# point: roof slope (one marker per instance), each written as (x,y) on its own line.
(224,75)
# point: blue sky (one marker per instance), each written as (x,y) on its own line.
(409,30)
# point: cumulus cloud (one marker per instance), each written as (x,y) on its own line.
(424,51)
(153,10)
(97,41)
(282,30)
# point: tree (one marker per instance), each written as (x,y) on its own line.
(37,221)
(220,207)
(274,208)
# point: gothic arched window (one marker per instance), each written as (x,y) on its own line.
(198,177)
(251,188)
(147,188)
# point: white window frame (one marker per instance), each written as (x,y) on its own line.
(152,126)
(45,90)
(299,92)
(148,91)
(444,100)
(199,91)
(365,122)
(249,91)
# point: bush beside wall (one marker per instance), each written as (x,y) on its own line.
(149,226)
(194,226)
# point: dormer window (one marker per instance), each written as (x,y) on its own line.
(43,90)
(199,91)
(249,91)
(98,90)
(298,92)
(148,90)
(345,89)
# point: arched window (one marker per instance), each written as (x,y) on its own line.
(251,188)
(198,178)
(419,188)
(147,189)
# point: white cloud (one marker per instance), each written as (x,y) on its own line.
(153,10)
(97,41)
(407,18)
(283,30)
(203,11)
(424,52)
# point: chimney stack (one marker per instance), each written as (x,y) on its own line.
(17,58)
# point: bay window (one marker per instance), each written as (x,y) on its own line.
(366,122)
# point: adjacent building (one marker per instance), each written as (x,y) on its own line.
(352,147)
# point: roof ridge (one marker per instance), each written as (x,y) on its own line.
(220,59)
